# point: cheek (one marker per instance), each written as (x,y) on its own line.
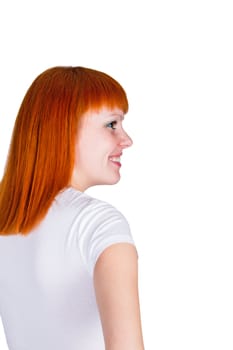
(95,147)
(103,144)
(89,154)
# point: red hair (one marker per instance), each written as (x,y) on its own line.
(41,155)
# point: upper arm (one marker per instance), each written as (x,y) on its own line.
(116,287)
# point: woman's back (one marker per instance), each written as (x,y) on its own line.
(47,298)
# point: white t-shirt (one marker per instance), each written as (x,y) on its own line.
(47,298)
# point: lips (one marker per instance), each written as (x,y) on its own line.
(116,159)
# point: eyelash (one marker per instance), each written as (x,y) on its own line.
(111,125)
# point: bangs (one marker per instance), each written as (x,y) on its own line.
(99,89)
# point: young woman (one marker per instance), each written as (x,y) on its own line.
(68,263)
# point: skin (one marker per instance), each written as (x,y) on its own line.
(102,137)
(116,287)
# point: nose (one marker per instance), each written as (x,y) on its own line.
(125,140)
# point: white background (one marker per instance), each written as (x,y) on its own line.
(175,60)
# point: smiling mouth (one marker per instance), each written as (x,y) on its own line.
(116,160)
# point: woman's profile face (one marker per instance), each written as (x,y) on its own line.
(99,147)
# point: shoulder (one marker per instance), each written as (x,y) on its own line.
(107,220)
(105,211)
(91,216)
(96,224)
(89,208)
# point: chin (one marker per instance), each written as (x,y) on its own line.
(113,181)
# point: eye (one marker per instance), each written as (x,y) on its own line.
(112,125)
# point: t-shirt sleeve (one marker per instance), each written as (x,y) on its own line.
(101,226)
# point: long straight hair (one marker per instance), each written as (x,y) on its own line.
(42,150)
